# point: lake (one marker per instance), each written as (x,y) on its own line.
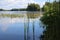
(20,25)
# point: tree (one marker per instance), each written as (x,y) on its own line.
(51,20)
(47,7)
(33,7)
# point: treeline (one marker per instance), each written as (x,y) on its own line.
(1,9)
(30,7)
(33,7)
(51,18)
(22,9)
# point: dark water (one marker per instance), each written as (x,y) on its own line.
(14,28)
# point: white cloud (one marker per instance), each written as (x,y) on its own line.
(16,3)
(5,24)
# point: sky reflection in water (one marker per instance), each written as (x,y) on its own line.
(13,28)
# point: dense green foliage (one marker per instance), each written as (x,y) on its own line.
(33,7)
(51,18)
(22,9)
(47,7)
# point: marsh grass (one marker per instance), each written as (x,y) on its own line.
(29,15)
(11,15)
(33,15)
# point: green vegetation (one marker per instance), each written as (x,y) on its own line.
(33,7)
(51,18)
(22,9)
(33,14)
(29,15)
(47,7)
(30,7)
(19,15)
(11,15)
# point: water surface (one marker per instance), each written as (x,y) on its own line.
(13,28)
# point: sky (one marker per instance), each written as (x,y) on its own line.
(9,4)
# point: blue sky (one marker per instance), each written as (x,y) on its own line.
(9,4)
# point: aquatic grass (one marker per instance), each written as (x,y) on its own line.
(11,15)
(29,15)
(32,15)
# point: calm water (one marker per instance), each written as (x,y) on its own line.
(16,28)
